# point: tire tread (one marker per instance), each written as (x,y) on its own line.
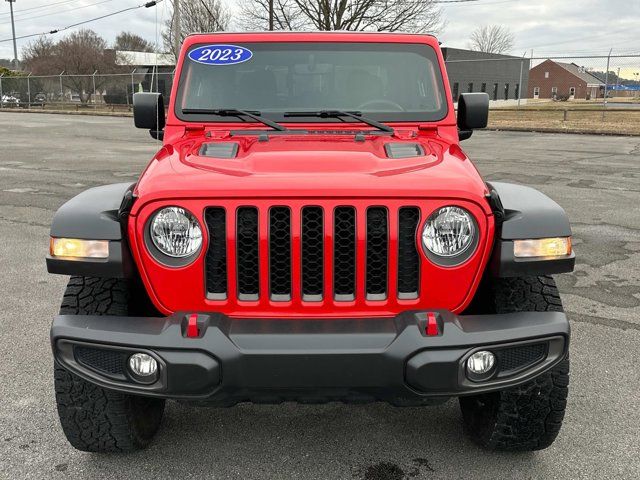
(95,419)
(529,416)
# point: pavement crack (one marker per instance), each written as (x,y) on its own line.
(604,322)
(23,222)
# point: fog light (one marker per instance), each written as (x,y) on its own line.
(143,365)
(481,362)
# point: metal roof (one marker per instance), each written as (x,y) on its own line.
(580,72)
(144,59)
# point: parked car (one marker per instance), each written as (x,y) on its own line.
(310,230)
(39,100)
(10,101)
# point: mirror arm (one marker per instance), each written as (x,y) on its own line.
(157,134)
(464,134)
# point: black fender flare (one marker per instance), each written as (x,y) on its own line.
(525,213)
(98,213)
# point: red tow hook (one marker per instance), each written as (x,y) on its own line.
(192,326)
(432,325)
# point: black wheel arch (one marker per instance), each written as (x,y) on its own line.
(99,213)
(523,213)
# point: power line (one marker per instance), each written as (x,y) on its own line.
(28,17)
(475,2)
(51,32)
(39,7)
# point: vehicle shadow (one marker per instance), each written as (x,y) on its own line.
(333,441)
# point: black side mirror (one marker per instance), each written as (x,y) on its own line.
(473,112)
(148,112)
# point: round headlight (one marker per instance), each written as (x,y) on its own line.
(449,232)
(175,232)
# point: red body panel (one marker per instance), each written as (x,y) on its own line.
(299,170)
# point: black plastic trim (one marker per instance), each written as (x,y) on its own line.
(529,213)
(390,359)
(403,150)
(523,213)
(96,214)
(92,214)
(473,112)
(223,150)
(149,113)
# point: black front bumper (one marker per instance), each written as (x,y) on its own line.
(272,360)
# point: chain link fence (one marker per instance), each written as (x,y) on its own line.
(598,93)
(112,92)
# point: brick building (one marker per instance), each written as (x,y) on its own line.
(553,79)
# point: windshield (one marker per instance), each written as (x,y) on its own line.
(385,81)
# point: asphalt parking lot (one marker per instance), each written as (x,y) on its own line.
(46,159)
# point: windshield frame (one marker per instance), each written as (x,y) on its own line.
(280,117)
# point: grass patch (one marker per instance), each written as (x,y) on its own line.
(578,121)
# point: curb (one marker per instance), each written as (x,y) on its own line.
(571,131)
(67,112)
(492,129)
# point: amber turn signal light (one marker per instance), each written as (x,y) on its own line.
(76,248)
(542,247)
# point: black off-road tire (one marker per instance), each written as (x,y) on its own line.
(95,419)
(527,417)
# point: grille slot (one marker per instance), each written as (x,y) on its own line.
(110,362)
(367,261)
(519,357)
(344,253)
(312,236)
(247,253)
(280,253)
(216,261)
(408,257)
(377,253)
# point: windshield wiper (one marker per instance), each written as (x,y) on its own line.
(341,113)
(232,112)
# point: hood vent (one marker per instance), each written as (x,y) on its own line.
(403,150)
(219,150)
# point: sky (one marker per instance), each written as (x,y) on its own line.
(548,27)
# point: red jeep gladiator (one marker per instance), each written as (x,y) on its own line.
(310,230)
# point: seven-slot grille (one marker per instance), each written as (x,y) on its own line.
(323,246)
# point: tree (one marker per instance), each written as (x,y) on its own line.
(254,15)
(492,39)
(373,15)
(129,41)
(38,56)
(196,16)
(79,55)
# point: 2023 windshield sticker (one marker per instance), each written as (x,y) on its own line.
(220,55)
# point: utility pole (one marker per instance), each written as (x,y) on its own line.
(606,85)
(520,84)
(270,15)
(13,31)
(177,41)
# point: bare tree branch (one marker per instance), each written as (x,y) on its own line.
(79,54)
(492,39)
(196,16)
(133,42)
(374,15)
